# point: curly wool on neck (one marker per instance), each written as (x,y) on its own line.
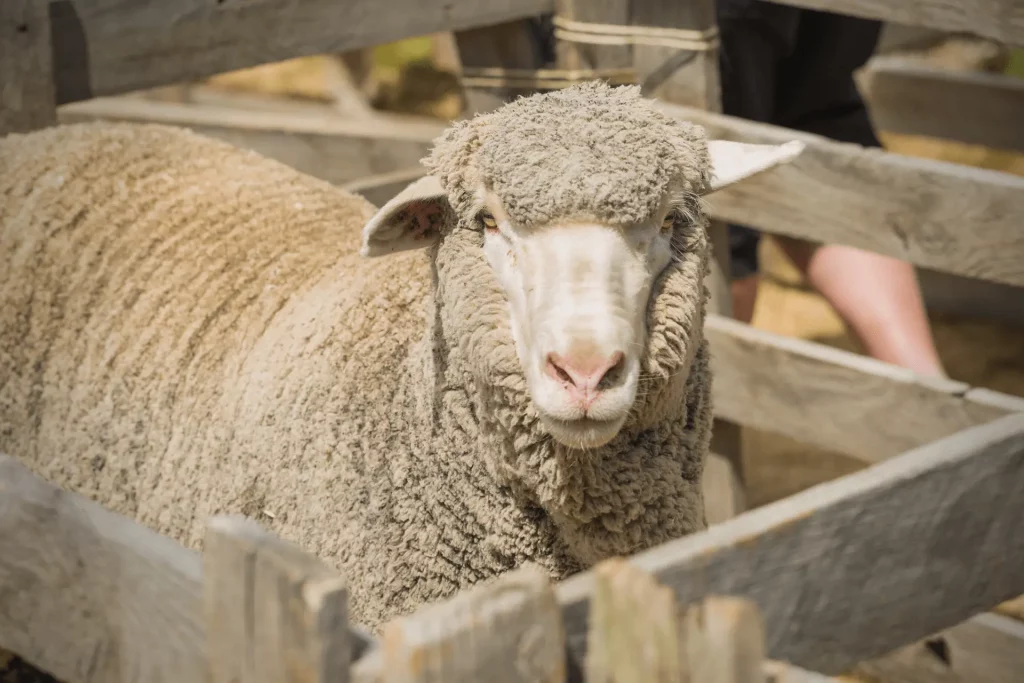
(215,344)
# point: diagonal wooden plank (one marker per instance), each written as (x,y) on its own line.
(91,596)
(988,648)
(310,139)
(847,570)
(910,98)
(835,399)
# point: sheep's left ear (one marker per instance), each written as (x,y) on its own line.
(411,220)
(732,162)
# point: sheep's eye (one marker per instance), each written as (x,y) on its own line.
(669,221)
(488,221)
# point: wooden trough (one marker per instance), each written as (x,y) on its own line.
(892,570)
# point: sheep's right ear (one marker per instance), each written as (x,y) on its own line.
(733,162)
(411,220)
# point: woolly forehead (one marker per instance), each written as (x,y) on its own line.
(551,158)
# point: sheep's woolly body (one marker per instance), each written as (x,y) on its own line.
(187,329)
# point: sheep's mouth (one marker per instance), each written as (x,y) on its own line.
(584,433)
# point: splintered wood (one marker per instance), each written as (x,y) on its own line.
(638,634)
(508,630)
(273,612)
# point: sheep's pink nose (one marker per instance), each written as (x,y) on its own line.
(582,374)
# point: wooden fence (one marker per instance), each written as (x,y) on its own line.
(830,577)
(917,546)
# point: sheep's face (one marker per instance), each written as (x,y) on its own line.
(585,207)
(578,293)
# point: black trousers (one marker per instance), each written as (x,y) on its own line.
(792,67)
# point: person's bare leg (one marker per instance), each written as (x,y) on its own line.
(878,297)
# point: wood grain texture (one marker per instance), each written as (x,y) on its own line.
(505,630)
(834,399)
(639,634)
(636,628)
(851,569)
(988,648)
(90,596)
(725,641)
(1001,20)
(26,67)
(106,47)
(678,76)
(274,613)
(587,56)
(977,108)
(323,145)
(934,214)
(510,45)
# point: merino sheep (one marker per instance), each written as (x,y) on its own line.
(189,329)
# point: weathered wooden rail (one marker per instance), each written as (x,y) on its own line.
(825,579)
(858,571)
(93,596)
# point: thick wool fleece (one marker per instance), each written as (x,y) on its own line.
(187,329)
(604,153)
(589,151)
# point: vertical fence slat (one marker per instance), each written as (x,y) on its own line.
(508,630)
(634,628)
(509,45)
(26,67)
(725,641)
(571,55)
(274,613)
(638,634)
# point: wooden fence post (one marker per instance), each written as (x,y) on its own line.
(27,98)
(725,641)
(579,55)
(638,634)
(506,46)
(274,614)
(508,630)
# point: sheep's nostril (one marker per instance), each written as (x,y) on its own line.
(556,371)
(589,374)
(613,373)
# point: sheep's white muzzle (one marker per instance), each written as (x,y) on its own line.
(577,297)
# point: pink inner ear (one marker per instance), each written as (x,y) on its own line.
(425,216)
